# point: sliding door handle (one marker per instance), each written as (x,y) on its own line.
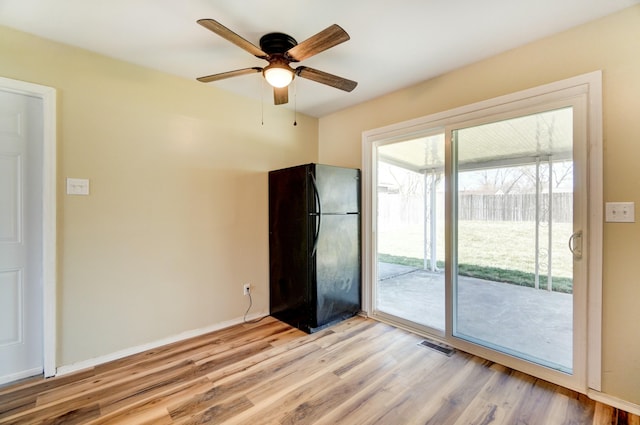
(575,245)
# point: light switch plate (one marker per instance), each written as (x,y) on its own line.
(77,186)
(620,212)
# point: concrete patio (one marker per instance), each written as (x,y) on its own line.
(536,323)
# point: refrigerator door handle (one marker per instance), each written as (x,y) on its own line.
(317,214)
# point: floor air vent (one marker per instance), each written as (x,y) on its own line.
(439,347)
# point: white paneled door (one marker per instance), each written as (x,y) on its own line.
(21,218)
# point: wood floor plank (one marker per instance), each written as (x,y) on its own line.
(272,408)
(105,384)
(308,372)
(208,344)
(86,401)
(219,413)
(279,351)
(153,408)
(604,415)
(315,407)
(498,398)
(568,407)
(16,405)
(446,405)
(532,408)
(56,414)
(264,360)
(152,387)
(625,418)
(424,391)
(358,372)
(289,388)
(356,409)
(361,372)
(163,361)
(243,383)
(24,395)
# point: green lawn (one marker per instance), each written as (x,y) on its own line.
(501,251)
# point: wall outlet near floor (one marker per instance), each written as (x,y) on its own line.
(246,288)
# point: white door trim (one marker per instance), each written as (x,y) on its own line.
(49,259)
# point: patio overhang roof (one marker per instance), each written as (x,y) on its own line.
(517,141)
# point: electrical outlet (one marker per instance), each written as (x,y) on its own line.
(246,288)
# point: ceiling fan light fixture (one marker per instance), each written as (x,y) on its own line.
(278,75)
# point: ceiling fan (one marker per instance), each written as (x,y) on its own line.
(280,50)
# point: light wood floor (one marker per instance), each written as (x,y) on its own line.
(358,372)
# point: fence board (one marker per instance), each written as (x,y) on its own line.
(514,207)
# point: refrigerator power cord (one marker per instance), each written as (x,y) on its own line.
(244,318)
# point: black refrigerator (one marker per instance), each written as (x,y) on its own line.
(314,245)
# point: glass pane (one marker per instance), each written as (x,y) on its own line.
(514,216)
(411,231)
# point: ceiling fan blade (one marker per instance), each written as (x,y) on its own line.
(231,36)
(325,39)
(326,78)
(280,95)
(229,74)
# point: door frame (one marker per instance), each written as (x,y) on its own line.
(49,229)
(591,83)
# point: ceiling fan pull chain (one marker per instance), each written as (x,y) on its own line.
(295,103)
(262,101)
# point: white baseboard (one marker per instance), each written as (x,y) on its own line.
(614,402)
(85,364)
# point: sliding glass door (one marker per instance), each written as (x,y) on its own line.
(479,234)
(513,269)
(410,222)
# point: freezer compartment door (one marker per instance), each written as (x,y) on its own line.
(338,189)
(338,274)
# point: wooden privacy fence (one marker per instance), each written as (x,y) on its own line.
(515,207)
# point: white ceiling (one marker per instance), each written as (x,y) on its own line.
(393,44)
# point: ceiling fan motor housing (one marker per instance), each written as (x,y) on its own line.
(276,42)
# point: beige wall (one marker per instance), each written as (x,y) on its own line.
(177,217)
(610,44)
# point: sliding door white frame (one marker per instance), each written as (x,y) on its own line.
(589,86)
